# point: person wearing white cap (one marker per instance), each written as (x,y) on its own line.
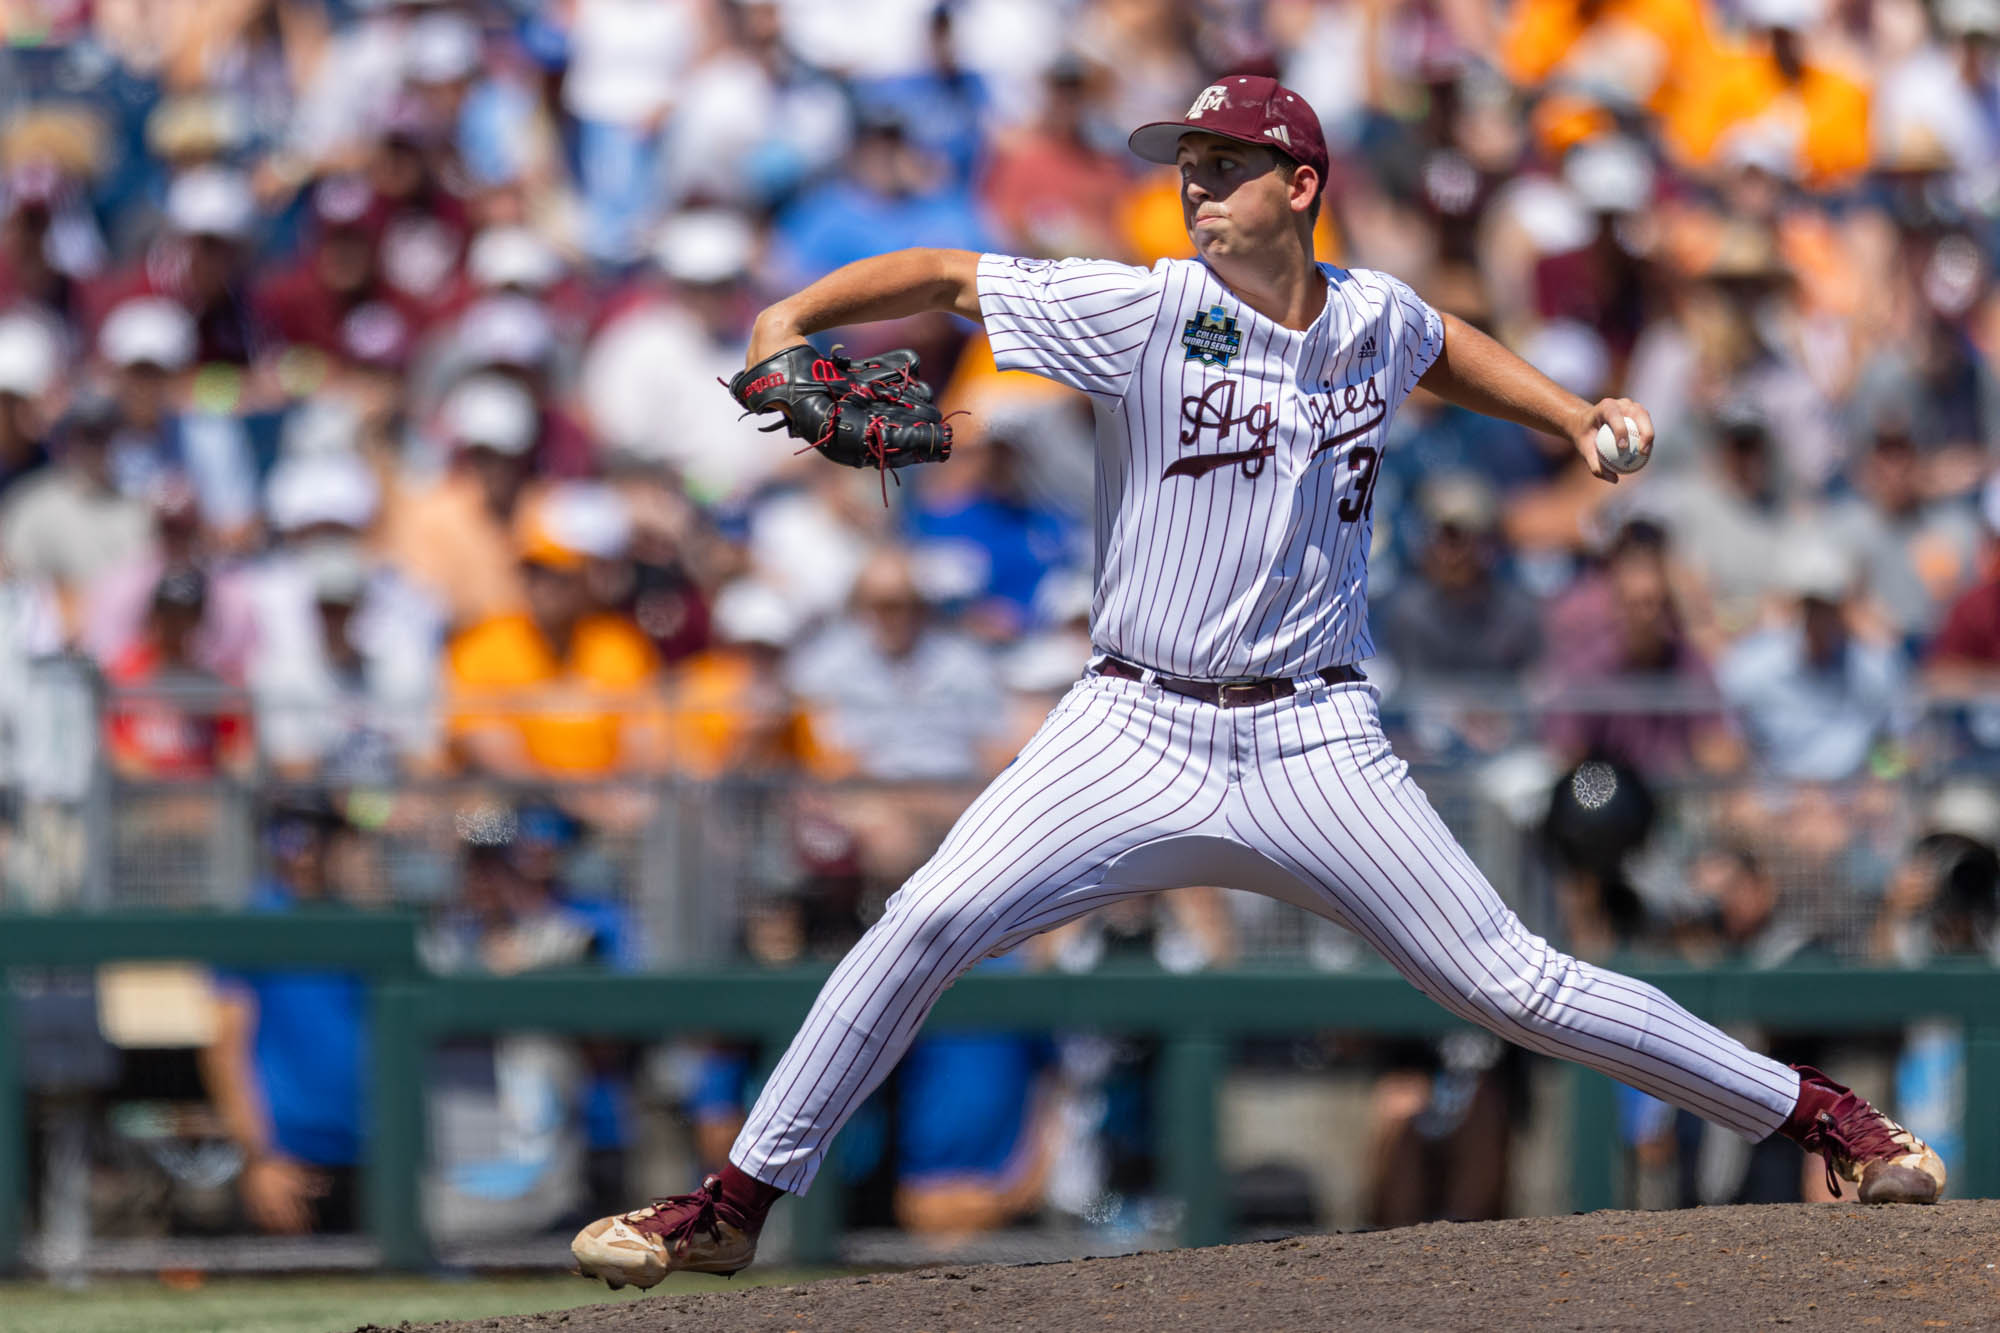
(51,247)
(1817,699)
(149,343)
(644,373)
(1597,281)
(1725,510)
(752,121)
(513,259)
(443,56)
(894,695)
(345,664)
(1915,552)
(212,201)
(514,333)
(359,73)
(565,687)
(453,538)
(30,357)
(1455,612)
(733,713)
(212,217)
(305,301)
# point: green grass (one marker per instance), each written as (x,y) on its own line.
(314,1305)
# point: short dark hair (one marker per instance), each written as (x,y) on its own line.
(1290,163)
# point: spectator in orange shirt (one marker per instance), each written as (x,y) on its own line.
(1648,52)
(1765,102)
(566,688)
(733,710)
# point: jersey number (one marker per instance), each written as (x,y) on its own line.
(1355,504)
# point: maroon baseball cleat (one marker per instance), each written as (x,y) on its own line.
(1860,1144)
(694,1233)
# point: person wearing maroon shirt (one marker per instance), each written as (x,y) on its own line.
(1965,655)
(514,336)
(306,303)
(200,264)
(420,212)
(1625,625)
(1970,639)
(39,205)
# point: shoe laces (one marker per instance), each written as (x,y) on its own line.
(1850,1129)
(677,1218)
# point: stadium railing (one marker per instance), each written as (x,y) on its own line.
(1194,1017)
(691,852)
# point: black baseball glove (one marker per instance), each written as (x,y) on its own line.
(873,413)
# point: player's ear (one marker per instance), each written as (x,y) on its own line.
(1303,189)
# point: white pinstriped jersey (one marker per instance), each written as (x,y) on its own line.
(1236,458)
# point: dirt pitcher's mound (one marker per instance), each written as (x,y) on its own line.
(1712,1269)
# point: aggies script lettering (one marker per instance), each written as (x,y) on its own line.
(1214,409)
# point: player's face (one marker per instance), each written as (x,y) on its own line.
(1236,197)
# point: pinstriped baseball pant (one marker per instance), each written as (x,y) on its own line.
(1128,790)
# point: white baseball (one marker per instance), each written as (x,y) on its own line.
(1621,455)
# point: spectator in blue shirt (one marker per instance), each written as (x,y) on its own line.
(971,1129)
(893,195)
(944,106)
(285,1070)
(973,524)
(1816,699)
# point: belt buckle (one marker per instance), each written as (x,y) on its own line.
(1248,689)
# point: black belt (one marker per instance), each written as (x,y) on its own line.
(1229,693)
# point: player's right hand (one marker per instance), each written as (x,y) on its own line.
(278,1195)
(1610,412)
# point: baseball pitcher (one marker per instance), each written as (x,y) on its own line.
(1221,732)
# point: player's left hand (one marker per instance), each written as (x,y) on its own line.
(1612,412)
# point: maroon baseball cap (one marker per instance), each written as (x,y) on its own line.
(1248,108)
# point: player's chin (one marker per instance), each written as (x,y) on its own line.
(1209,239)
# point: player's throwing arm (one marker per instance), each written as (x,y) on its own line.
(1614,436)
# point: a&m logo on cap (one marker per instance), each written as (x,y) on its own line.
(1213,98)
(1211,337)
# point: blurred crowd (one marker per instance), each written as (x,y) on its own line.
(359,423)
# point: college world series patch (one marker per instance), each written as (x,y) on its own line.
(1211,337)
